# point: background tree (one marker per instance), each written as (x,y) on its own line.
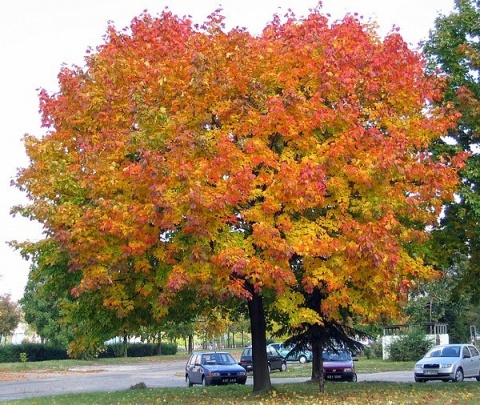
(44,296)
(453,48)
(10,315)
(438,302)
(186,158)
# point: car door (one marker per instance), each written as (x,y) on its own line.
(475,360)
(195,369)
(275,359)
(468,362)
(189,367)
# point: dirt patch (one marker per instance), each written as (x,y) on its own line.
(36,374)
(12,376)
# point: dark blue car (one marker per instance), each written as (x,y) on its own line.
(213,368)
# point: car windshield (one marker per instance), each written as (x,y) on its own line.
(332,356)
(217,359)
(447,351)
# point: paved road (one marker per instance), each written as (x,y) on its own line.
(122,377)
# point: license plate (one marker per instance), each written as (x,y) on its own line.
(226,380)
(430,372)
(333,377)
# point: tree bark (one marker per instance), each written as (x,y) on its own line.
(159,344)
(261,376)
(125,343)
(317,365)
(190,343)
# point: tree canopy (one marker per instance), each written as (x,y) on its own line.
(184,157)
(10,315)
(453,49)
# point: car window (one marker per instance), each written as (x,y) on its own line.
(225,358)
(435,353)
(210,359)
(332,356)
(247,352)
(447,351)
(473,350)
(466,352)
(451,351)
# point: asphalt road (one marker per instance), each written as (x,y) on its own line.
(122,377)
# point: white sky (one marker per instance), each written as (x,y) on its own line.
(38,36)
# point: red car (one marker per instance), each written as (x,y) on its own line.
(339,366)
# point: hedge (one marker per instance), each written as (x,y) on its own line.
(31,352)
(410,347)
(137,350)
(40,352)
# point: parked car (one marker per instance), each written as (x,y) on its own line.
(276,346)
(275,359)
(339,366)
(213,368)
(449,362)
(287,352)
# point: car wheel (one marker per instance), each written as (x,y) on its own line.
(354,378)
(187,380)
(458,375)
(478,377)
(302,359)
(269,369)
(204,381)
(283,367)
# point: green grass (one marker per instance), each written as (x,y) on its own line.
(363,366)
(59,365)
(376,365)
(299,393)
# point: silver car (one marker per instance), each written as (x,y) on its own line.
(449,362)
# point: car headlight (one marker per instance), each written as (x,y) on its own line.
(418,367)
(241,373)
(212,374)
(445,365)
(347,369)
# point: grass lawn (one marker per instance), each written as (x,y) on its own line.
(432,393)
(362,366)
(299,393)
(59,365)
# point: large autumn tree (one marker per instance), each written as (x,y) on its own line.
(187,157)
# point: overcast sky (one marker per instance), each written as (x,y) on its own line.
(38,36)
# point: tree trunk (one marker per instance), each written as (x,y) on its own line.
(316,355)
(261,376)
(321,382)
(125,343)
(159,344)
(190,343)
(317,365)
